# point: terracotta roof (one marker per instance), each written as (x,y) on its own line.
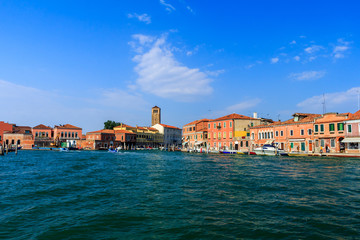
(234,116)
(141,128)
(68,126)
(191,123)
(354,116)
(152,129)
(124,131)
(21,129)
(168,126)
(125,125)
(104,131)
(309,117)
(41,126)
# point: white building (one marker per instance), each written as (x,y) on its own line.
(172,135)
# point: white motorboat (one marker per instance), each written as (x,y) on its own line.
(269,150)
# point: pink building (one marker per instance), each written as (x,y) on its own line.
(352,133)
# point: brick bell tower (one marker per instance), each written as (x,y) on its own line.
(155,115)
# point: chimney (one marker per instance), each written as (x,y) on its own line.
(255,115)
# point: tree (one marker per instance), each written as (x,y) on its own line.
(110,124)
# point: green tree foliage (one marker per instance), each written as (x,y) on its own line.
(110,124)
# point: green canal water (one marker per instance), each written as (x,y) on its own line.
(173,195)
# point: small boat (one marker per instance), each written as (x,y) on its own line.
(63,149)
(228,151)
(268,150)
(112,150)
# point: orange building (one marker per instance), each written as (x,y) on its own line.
(293,135)
(352,134)
(126,138)
(195,134)
(43,136)
(231,132)
(329,131)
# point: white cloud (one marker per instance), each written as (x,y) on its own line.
(274,60)
(297,58)
(160,74)
(340,49)
(307,75)
(313,49)
(293,42)
(338,101)
(142,18)
(244,105)
(168,6)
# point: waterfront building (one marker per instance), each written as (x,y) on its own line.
(172,135)
(19,136)
(195,134)
(148,137)
(67,135)
(43,136)
(127,139)
(293,135)
(352,134)
(155,115)
(231,132)
(4,127)
(329,132)
(100,140)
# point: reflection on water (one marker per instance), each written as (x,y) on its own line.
(152,194)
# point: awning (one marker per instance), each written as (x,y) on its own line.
(198,143)
(351,140)
(236,142)
(297,140)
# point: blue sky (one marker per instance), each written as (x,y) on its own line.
(85,62)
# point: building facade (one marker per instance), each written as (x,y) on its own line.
(155,115)
(4,127)
(172,135)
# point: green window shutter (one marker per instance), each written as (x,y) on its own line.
(340,126)
(321,127)
(316,128)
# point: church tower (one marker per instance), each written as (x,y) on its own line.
(155,115)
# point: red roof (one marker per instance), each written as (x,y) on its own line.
(152,129)
(168,126)
(234,116)
(68,126)
(41,126)
(355,116)
(124,131)
(307,117)
(103,131)
(124,125)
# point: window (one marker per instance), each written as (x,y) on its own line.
(309,131)
(201,136)
(224,134)
(219,135)
(322,143)
(259,135)
(276,133)
(36,134)
(62,134)
(292,145)
(230,124)
(230,135)
(302,132)
(224,124)
(252,136)
(47,135)
(65,134)
(263,135)
(214,135)
(0,138)
(340,126)
(272,134)
(349,128)
(72,135)
(12,141)
(332,143)
(215,144)
(331,127)
(241,144)
(316,128)
(321,127)
(209,125)
(214,125)
(291,132)
(76,134)
(281,133)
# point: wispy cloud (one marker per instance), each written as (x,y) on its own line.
(160,74)
(274,60)
(341,48)
(339,101)
(168,6)
(313,49)
(190,9)
(244,105)
(292,42)
(307,75)
(297,58)
(142,18)
(215,73)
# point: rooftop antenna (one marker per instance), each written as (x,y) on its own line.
(278,117)
(324,104)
